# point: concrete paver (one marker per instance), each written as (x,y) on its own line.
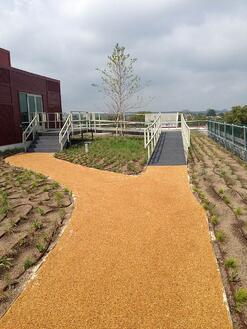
(135,254)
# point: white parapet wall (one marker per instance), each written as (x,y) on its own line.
(13,146)
(185,136)
(167,119)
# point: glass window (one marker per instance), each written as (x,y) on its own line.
(23,107)
(31,103)
(23,102)
(39,104)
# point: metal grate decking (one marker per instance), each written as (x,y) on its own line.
(169,150)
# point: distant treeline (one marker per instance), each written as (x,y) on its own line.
(237,115)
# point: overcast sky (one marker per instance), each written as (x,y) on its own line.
(193,51)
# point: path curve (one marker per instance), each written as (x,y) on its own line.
(136,255)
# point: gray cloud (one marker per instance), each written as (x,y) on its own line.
(193,51)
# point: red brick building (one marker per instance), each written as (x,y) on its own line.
(22,94)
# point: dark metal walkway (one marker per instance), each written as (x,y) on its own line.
(169,150)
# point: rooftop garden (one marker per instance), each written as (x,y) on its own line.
(121,154)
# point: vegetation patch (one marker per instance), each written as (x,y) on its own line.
(33,208)
(121,154)
(219,181)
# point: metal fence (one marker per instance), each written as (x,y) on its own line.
(232,137)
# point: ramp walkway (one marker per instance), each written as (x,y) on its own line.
(169,150)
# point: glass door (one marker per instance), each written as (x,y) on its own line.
(30,104)
(34,104)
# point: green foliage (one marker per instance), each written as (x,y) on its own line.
(55,185)
(233,276)
(211,113)
(62,213)
(226,200)
(40,247)
(231,263)
(28,263)
(214,220)
(240,298)
(221,191)
(4,204)
(58,197)
(40,211)
(201,195)
(5,262)
(238,211)
(220,236)
(111,153)
(238,115)
(222,173)
(37,225)
(206,205)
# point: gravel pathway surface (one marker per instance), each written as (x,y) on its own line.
(135,254)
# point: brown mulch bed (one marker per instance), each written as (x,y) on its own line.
(219,180)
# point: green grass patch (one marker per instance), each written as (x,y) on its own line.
(27,264)
(240,298)
(220,236)
(122,154)
(231,263)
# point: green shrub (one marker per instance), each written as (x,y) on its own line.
(40,247)
(240,298)
(231,263)
(5,262)
(37,225)
(238,211)
(220,236)
(28,263)
(214,220)
(40,211)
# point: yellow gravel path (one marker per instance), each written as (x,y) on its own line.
(136,254)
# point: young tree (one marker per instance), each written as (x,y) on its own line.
(120,84)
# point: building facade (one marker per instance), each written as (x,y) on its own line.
(22,94)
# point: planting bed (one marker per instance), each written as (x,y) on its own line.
(220,182)
(33,209)
(122,154)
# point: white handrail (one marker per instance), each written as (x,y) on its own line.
(185,135)
(65,132)
(31,129)
(151,135)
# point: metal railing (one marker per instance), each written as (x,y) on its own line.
(197,123)
(31,129)
(151,135)
(102,121)
(65,132)
(50,120)
(185,136)
(232,137)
